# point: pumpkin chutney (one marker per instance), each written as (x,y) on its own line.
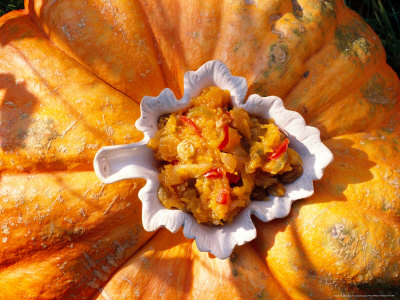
(214,158)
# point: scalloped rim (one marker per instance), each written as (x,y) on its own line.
(221,240)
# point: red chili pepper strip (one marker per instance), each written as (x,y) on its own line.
(223,196)
(214,173)
(233,178)
(189,122)
(225,141)
(174,162)
(278,151)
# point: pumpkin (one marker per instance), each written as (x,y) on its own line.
(71,76)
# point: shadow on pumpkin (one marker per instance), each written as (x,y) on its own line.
(17,105)
(39,133)
(350,166)
(16,31)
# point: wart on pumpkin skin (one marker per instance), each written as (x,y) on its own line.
(5,229)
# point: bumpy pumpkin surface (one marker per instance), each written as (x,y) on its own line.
(71,76)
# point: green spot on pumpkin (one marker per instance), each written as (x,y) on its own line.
(21,134)
(38,136)
(297,9)
(386,206)
(297,32)
(235,272)
(308,18)
(233,257)
(338,189)
(278,58)
(261,295)
(13,29)
(374,90)
(343,240)
(267,72)
(349,39)
(389,129)
(237,47)
(260,88)
(328,8)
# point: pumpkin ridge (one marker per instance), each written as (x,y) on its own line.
(22,12)
(327,37)
(305,59)
(12,15)
(353,84)
(67,24)
(316,51)
(45,35)
(382,124)
(173,83)
(156,45)
(164,68)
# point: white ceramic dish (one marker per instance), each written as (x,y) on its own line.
(136,160)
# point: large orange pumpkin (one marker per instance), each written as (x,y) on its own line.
(72,73)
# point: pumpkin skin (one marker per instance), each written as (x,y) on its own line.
(71,76)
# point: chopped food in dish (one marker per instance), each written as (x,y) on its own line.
(215,159)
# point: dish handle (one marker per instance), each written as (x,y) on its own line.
(115,163)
